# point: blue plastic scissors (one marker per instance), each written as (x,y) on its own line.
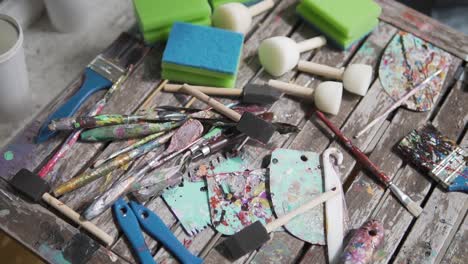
(131,216)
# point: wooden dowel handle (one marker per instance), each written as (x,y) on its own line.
(261,7)
(177,88)
(292,89)
(272,226)
(75,217)
(312,43)
(321,70)
(228,112)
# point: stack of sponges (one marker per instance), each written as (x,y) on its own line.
(344,22)
(156,17)
(202,55)
(216,3)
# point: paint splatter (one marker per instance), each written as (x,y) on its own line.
(408,61)
(8,155)
(295,179)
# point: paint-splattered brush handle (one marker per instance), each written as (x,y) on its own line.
(105,169)
(88,122)
(121,132)
(358,154)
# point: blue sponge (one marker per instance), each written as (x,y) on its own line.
(205,51)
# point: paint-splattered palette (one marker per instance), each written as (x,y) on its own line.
(295,179)
(408,61)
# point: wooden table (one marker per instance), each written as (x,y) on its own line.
(438,235)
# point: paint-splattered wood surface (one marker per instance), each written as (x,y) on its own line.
(438,235)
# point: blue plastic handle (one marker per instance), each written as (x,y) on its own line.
(129,225)
(460,184)
(155,227)
(93,82)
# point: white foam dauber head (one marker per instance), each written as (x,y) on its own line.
(327,96)
(237,17)
(356,77)
(279,55)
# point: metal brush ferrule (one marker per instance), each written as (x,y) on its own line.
(404,199)
(106,68)
(450,167)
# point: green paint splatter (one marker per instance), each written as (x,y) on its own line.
(8,155)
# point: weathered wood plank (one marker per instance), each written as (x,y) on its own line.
(40,230)
(433,231)
(425,27)
(457,252)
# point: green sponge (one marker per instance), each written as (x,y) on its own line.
(216,3)
(343,21)
(202,55)
(156,17)
(153,36)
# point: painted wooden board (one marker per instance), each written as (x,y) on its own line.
(41,231)
(425,27)
(296,178)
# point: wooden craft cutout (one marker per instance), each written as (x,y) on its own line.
(295,179)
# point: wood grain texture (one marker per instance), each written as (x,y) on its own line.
(39,229)
(425,27)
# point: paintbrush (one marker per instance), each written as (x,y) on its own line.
(438,156)
(127,149)
(100,74)
(184,138)
(251,94)
(398,103)
(110,166)
(87,122)
(255,235)
(122,132)
(412,207)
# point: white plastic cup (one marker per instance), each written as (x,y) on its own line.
(15,96)
(24,11)
(68,15)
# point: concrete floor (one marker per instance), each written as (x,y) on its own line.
(55,59)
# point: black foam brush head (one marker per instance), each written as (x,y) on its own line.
(255,127)
(29,184)
(247,240)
